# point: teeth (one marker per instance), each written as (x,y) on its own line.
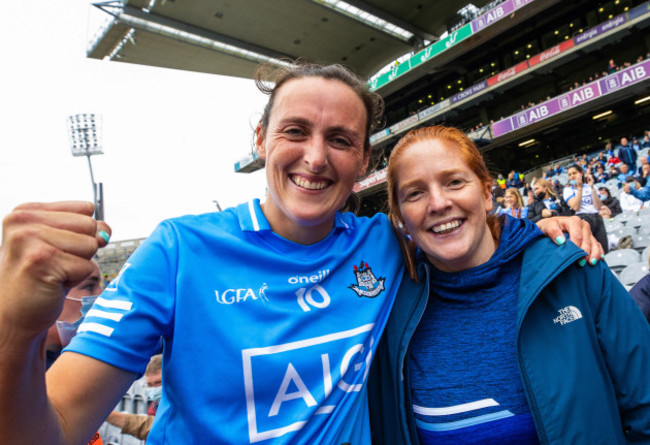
(447,227)
(308,184)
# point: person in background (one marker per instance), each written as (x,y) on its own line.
(641,294)
(642,193)
(644,172)
(515,204)
(139,425)
(611,203)
(80,296)
(629,202)
(625,173)
(503,340)
(547,203)
(582,198)
(627,155)
(600,175)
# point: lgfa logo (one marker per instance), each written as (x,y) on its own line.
(230,296)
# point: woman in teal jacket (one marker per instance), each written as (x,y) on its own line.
(504,339)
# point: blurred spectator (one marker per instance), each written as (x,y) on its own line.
(646,142)
(547,203)
(139,425)
(625,173)
(641,294)
(642,194)
(627,154)
(611,203)
(644,174)
(515,204)
(635,144)
(611,66)
(513,180)
(600,175)
(498,194)
(79,297)
(629,202)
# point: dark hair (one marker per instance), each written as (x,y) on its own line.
(373,103)
(467,152)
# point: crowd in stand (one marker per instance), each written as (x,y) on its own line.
(597,187)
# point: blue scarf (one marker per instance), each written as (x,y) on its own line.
(516,235)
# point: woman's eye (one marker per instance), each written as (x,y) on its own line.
(294,132)
(342,142)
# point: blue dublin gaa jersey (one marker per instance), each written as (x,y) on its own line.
(265,340)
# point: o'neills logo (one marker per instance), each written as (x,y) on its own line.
(550,53)
(506,74)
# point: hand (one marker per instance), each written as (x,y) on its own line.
(579,233)
(590,180)
(546,213)
(46,249)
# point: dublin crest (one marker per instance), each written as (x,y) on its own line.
(367,284)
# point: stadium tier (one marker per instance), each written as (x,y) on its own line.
(530,81)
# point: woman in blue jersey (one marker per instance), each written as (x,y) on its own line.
(270,312)
(505,339)
(515,204)
(581,195)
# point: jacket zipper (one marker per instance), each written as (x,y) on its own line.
(409,410)
(533,403)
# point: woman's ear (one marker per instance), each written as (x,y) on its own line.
(259,141)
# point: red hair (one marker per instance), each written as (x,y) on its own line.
(468,153)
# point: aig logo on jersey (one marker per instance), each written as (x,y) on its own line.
(367,284)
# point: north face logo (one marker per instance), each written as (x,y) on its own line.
(567,315)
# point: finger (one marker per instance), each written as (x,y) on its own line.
(597,252)
(34,237)
(81,207)
(75,222)
(575,226)
(104,233)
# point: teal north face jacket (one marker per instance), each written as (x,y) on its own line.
(583,348)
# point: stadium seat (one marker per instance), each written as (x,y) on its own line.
(637,221)
(633,273)
(640,242)
(645,255)
(645,212)
(624,217)
(612,184)
(612,226)
(624,231)
(617,260)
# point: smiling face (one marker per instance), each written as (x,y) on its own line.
(314,151)
(511,199)
(443,205)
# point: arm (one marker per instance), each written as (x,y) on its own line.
(643,194)
(46,248)
(136,425)
(594,193)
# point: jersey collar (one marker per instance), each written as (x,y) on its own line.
(252,219)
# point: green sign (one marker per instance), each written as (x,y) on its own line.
(422,56)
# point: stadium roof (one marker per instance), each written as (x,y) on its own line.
(232,37)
